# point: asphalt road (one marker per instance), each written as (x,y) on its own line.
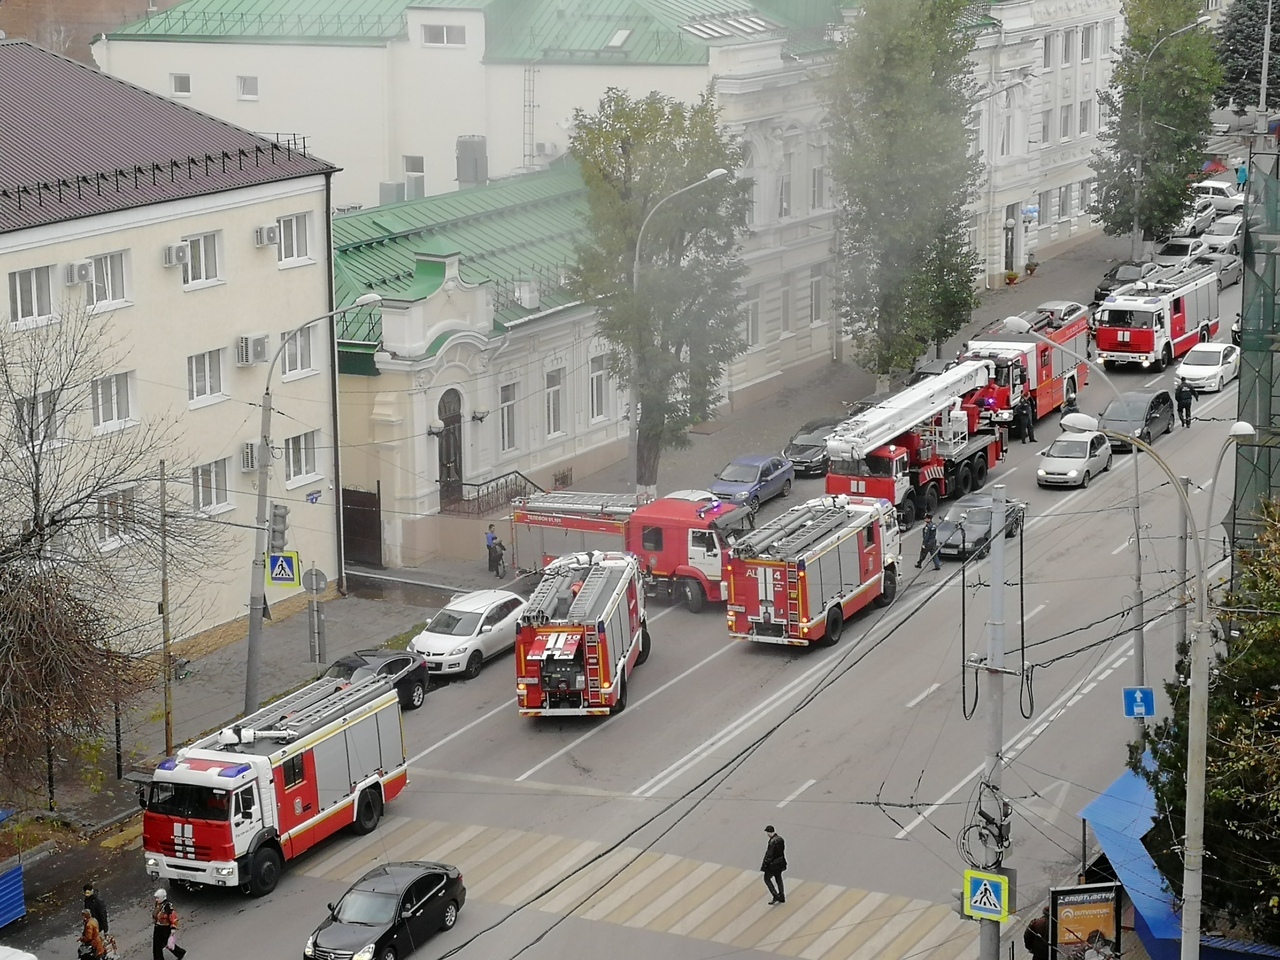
(860,755)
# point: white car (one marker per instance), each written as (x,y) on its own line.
(1198,220)
(472,628)
(1225,235)
(1210,366)
(1074,459)
(1226,198)
(1180,251)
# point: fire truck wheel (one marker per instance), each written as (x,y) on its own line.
(889,587)
(450,916)
(1166,358)
(1108,364)
(964,479)
(694,596)
(264,873)
(621,705)
(931,498)
(474,663)
(645,646)
(908,511)
(979,471)
(1204,331)
(368,812)
(835,624)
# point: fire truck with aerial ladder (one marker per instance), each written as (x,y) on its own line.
(580,636)
(799,578)
(928,442)
(1152,321)
(230,809)
(682,544)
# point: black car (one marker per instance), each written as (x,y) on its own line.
(1145,414)
(1124,272)
(966,528)
(807,450)
(389,912)
(406,670)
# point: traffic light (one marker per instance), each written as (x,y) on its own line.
(1002,830)
(958,906)
(279,527)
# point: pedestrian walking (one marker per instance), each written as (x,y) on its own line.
(929,543)
(93,903)
(1242,176)
(775,861)
(491,547)
(1185,394)
(1026,420)
(164,936)
(1036,937)
(91,943)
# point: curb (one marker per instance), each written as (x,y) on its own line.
(28,857)
(93,830)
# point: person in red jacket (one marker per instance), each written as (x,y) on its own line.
(165,932)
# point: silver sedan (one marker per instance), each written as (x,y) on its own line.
(1073,460)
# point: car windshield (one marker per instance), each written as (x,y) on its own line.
(1135,319)
(1073,448)
(189,801)
(1175,248)
(1223,228)
(740,473)
(366,908)
(1128,271)
(1126,409)
(454,623)
(1203,358)
(973,515)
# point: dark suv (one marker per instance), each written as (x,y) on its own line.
(1145,414)
(406,670)
(1124,272)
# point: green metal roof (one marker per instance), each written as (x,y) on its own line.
(522,228)
(274,21)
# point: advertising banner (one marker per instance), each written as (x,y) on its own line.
(1084,921)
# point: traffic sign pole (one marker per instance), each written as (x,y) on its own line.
(989,934)
(316,582)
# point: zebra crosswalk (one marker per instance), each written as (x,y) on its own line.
(664,893)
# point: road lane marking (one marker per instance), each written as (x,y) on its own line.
(1033,613)
(457,733)
(1005,473)
(631,708)
(1123,547)
(912,703)
(803,787)
(1154,380)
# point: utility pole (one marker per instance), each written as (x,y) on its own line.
(165,635)
(1262,82)
(989,934)
(1139,610)
(1184,596)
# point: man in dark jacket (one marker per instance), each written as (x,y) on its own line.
(929,543)
(93,903)
(1036,937)
(775,861)
(1026,420)
(1185,394)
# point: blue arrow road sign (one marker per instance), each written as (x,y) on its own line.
(1139,702)
(283,569)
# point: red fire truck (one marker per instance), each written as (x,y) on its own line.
(1155,320)
(581,634)
(1028,368)
(682,543)
(927,442)
(799,578)
(230,809)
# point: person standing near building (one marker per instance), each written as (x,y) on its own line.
(775,861)
(1036,937)
(93,903)
(1242,176)
(490,546)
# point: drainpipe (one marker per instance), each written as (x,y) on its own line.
(341,573)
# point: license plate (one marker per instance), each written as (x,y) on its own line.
(734,608)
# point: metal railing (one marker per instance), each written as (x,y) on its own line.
(480,499)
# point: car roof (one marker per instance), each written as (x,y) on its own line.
(1209,347)
(394,877)
(754,459)
(819,423)
(1058,305)
(480,600)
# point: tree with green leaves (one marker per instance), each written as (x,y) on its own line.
(1157,107)
(900,96)
(1240,37)
(1242,801)
(673,324)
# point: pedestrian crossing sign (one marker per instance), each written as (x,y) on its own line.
(283,569)
(986,895)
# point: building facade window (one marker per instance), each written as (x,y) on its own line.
(751,317)
(36,418)
(554,396)
(300,457)
(29,295)
(1086,117)
(1006,134)
(247,88)
(599,392)
(293,238)
(1086,195)
(415,178)
(815,294)
(1046,126)
(444,35)
(204,376)
(1108,37)
(784,191)
(108,287)
(1064,122)
(1086,43)
(296,356)
(116,516)
(1064,201)
(818,188)
(202,264)
(111,401)
(785,302)
(1047,59)
(1044,207)
(209,487)
(180,84)
(1068,46)
(507,417)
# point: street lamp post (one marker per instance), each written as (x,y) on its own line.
(1261,124)
(258,570)
(633,398)
(1008,244)
(1137,179)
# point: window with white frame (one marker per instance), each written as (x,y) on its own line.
(818,188)
(116,517)
(1068,46)
(554,396)
(202,264)
(300,456)
(1006,134)
(1108,37)
(815,294)
(247,88)
(36,418)
(293,238)
(747,172)
(209,487)
(108,286)
(295,358)
(1064,201)
(1086,42)
(1064,121)
(415,178)
(1086,195)
(180,84)
(784,191)
(1046,126)
(29,295)
(1044,205)
(444,35)
(785,302)
(751,317)
(599,392)
(111,401)
(507,417)
(1047,59)
(1086,117)
(204,376)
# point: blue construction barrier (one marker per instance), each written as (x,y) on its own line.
(13,902)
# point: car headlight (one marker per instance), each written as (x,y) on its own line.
(310,949)
(1138,432)
(153,862)
(741,496)
(1072,473)
(458,651)
(364,953)
(224,871)
(1040,472)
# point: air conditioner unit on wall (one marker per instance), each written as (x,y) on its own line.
(251,350)
(249,457)
(177,253)
(267,236)
(79,271)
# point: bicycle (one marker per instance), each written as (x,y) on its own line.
(500,561)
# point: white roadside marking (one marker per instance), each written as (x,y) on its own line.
(913,702)
(1154,380)
(1033,613)
(457,733)
(802,788)
(1123,547)
(1007,472)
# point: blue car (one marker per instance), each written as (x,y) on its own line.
(754,479)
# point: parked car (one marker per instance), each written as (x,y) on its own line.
(693,496)
(1124,272)
(1210,366)
(1145,414)
(1228,266)
(928,370)
(1199,219)
(1073,460)
(1225,196)
(390,912)
(1058,312)
(1179,251)
(965,530)
(753,479)
(1226,235)
(807,449)
(406,669)
(472,628)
